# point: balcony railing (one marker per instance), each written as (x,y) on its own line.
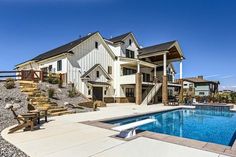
(127,79)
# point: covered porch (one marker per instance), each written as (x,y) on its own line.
(162,55)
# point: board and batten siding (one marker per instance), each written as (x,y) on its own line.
(53,62)
(85,57)
(131,47)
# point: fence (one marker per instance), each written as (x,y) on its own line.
(31,75)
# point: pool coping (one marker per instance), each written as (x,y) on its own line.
(205,146)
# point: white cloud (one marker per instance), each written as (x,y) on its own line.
(226,76)
(215,75)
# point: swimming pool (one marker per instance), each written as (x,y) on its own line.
(204,125)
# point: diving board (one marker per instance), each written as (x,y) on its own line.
(129,130)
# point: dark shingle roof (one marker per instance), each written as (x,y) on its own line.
(157,48)
(93,67)
(90,70)
(199,80)
(62,49)
(119,38)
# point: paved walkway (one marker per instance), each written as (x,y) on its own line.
(64,136)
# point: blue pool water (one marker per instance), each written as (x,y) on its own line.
(204,125)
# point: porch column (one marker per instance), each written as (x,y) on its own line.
(164,83)
(181,81)
(138,86)
(155,74)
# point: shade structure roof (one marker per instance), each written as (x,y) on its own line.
(155,52)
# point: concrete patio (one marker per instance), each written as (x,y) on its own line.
(66,136)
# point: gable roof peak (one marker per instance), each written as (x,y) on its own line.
(119,37)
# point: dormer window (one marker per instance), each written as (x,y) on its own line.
(130,42)
(98,74)
(96,44)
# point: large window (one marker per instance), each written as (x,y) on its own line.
(129,53)
(59,65)
(146,77)
(127,71)
(129,92)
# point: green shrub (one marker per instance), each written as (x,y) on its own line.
(10,83)
(52,80)
(51,92)
(72,92)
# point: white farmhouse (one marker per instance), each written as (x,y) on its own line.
(116,69)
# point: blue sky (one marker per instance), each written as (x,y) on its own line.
(205,29)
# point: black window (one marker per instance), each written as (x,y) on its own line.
(96,44)
(105,92)
(109,69)
(129,53)
(89,91)
(127,71)
(59,65)
(129,92)
(130,41)
(50,68)
(146,77)
(97,73)
(201,93)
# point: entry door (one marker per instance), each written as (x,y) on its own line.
(97,93)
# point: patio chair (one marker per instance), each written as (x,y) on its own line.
(33,109)
(25,121)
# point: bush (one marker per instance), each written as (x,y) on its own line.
(52,80)
(51,92)
(10,83)
(72,93)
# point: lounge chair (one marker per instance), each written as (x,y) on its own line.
(33,109)
(24,120)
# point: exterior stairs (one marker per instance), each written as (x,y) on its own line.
(38,100)
(151,94)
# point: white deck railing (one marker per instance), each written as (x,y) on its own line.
(151,94)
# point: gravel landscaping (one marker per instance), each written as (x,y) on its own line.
(6,118)
(62,99)
(14,95)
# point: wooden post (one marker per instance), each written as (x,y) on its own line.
(138,89)
(164,83)
(181,81)
(41,76)
(138,86)
(32,74)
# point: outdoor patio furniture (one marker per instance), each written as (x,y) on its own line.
(26,121)
(173,103)
(32,109)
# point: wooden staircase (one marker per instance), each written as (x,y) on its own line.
(151,94)
(39,100)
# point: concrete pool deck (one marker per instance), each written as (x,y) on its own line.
(67,136)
